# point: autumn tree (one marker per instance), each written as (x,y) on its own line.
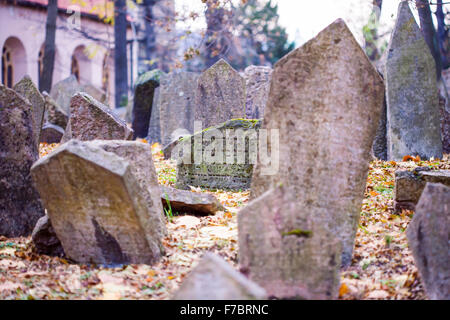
(46,77)
(370,31)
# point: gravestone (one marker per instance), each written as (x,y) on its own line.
(215,279)
(97,206)
(379,147)
(51,133)
(413,113)
(63,91)
(220,95)
(221,157)
(20,205)
(143,102)
(257,79)
(91,120)
(154,128)
(325,101)
(288,251)
(94,92)
(428,238)
(176,105)
(54,114)
(28,90)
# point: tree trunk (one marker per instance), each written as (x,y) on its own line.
(150,38)
(120,53)
(46,78)
(444,42)
(429,33)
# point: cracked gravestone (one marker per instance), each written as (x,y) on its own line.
(325,103)
(220,95)
(257,80)
(413,113)
(97,206)
(20,205)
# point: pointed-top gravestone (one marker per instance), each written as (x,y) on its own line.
(325,101)
(220,95)
(257,80)
(63,91)
(413,113)
(20,206)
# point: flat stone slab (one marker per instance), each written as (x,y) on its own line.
(194,203)
(97,206)
(257,80)
(409,186)
(428,238)
(20,205)
(91,120)
(215,279)
(51,133)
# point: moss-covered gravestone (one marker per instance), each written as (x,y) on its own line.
(221,157)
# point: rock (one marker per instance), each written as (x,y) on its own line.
(412,93)
(51,133)
(257,79)
(287,251)
(215,279)
(220,95)
(54,113)
(428,238)
(190,202)
(20,205)
(154,128)
(45,240)
(97,206)
(176,104)
(27,89)
(215,160)
(91,120)
(324,147)
(63,91)
(409,186)
(143,102)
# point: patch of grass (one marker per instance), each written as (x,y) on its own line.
(169,213)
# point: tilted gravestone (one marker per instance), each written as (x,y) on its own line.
(97,206)
(143,102)
(257,79)
(413,113)
(325,101)
(215,279)
(428,238)
(54,114)
(221,157)
(220,95)
(20,205)
(91,120)
(176,105)
(63,91)
(286,250)
(27,89)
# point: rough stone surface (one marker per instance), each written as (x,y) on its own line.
(220,95)
(97,206)
(51,133)
(286,250)
(445,122)
(91,120)
(325,100)
(27,89)
(215,279)
(221,174)
(194,203)
(257,79)
(154,128)
(54,114)
(143,102)
(20,205)
(412,93)
(428,238)
(45,240)
(63,91)
(176,105)
(94,92)
(409,186)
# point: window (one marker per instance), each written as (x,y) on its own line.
(7,67)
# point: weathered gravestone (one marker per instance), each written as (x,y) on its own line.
(220,95)
(215,279)
(54,114)
(176,105)
(51,133)
(257,79)
(143,102)
(325,100)
(91,120)
(20,205)
(413,114)
(94,92)
(97,206)
(428,238)
(28,90)
(286,250)
(63,91)
(221,157)
(154,128)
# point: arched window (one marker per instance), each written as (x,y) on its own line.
(41,62)
(7,67)
(75,68)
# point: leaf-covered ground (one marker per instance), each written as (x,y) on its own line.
(382,266)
